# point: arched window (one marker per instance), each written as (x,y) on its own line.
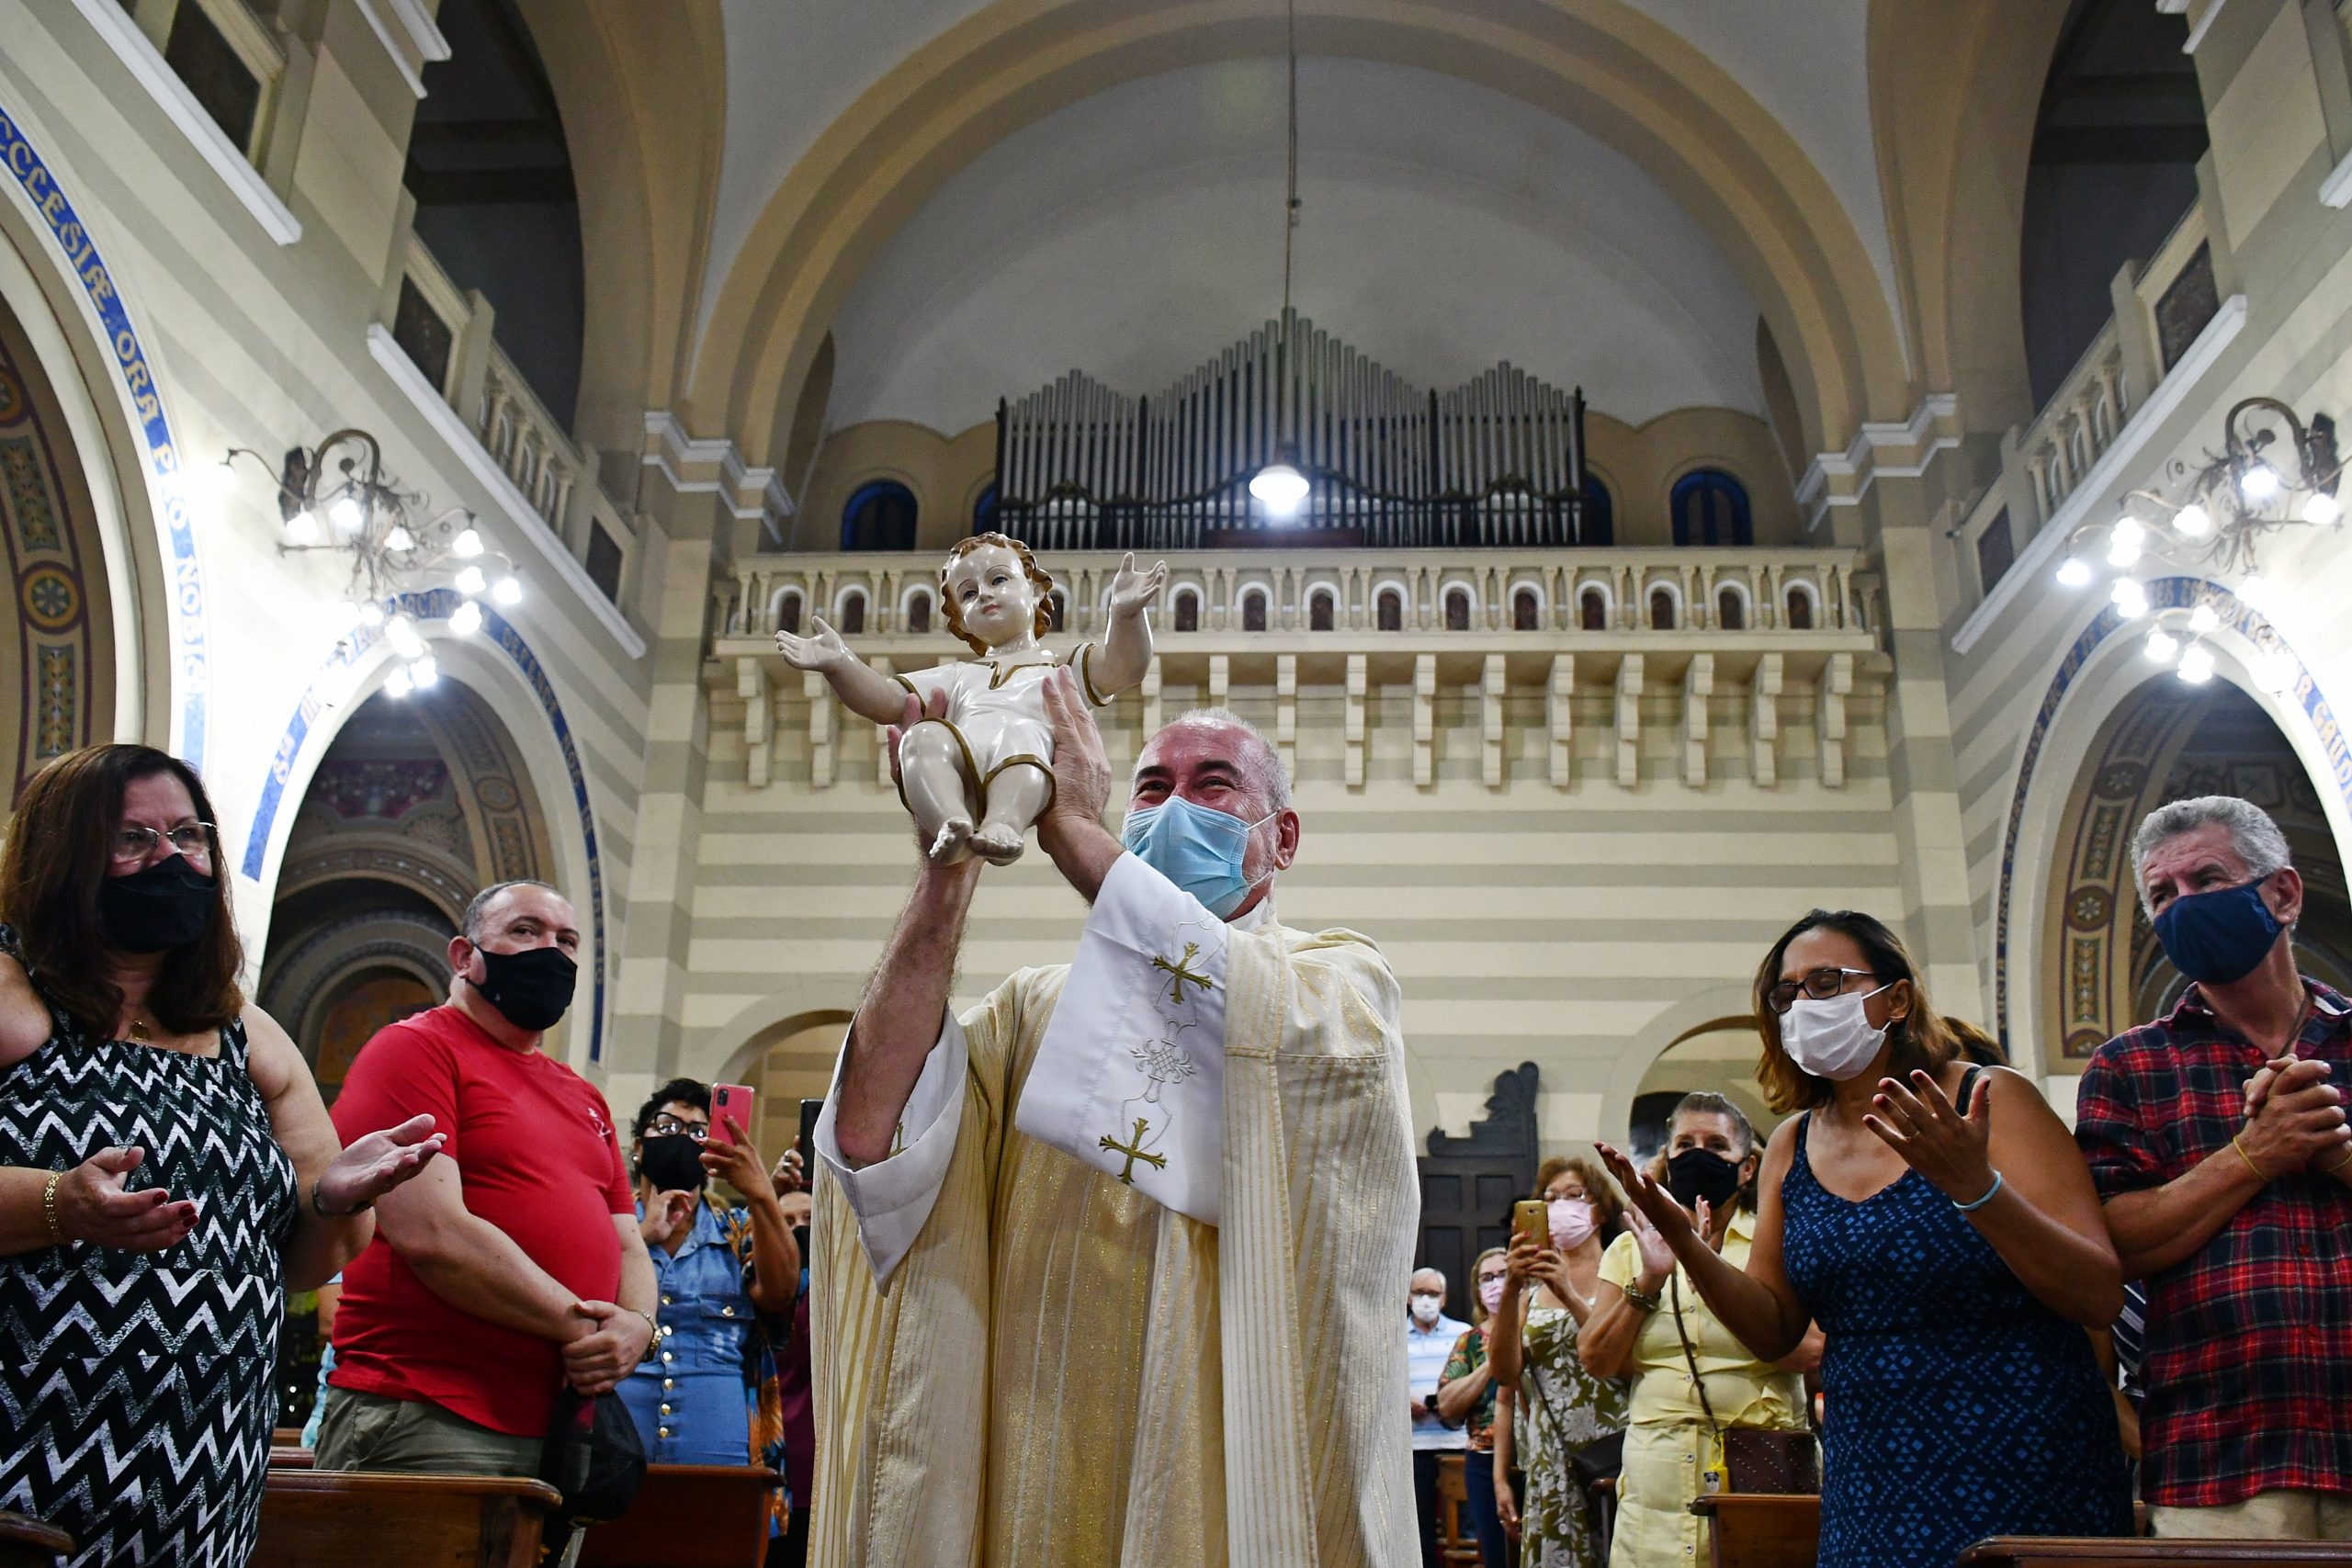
(1731,610)
(1318,612)
(1253,610)
(984,512)
(1526,611)
(1592,610)
(1457,609)
(787,611)
(918,613)
(1599,512)
(1056,611)
(1188,610)
(1391,610)
(1800,608)
(853,613)
(1710,508)
(879,516)
(1661,610)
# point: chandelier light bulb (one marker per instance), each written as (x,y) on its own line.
(1280,488)
(2192,522)
(2197,665)
(2123,551)
(471,581)
(400,538)
(397,684)
(2272,671)
(402,633)
(424,674)
(2075,573)
(467,544)
(372,614)
(2130,599)
(2128,530)
(466,619)
(509,591)
(346,515)
(2254,590)
(2162,647)
(2321,508)
(2203,619)
(2259,482)
(303,528)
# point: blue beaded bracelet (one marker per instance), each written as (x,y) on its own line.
(1971,1208)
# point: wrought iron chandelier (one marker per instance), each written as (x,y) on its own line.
(336,497)
(2273,473)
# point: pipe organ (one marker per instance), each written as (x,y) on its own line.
(1496,461)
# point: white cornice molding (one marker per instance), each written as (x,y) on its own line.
(520,515)
(2201,25)
(2336,190)
(1932,428)
(2033,563)
(112,24)
(411,50)
(671,450)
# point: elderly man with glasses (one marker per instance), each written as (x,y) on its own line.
(2218,1139)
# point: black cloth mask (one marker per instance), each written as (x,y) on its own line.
(166,904)
(672,1163)
(532,987)
(1700,1173)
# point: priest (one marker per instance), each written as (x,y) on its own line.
(1107,1267)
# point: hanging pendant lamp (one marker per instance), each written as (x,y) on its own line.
(1281,487)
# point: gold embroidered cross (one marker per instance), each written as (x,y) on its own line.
(1182,972)
(1133,1149)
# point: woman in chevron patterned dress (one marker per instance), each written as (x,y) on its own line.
(167,1170)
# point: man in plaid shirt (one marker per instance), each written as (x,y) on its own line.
(2221,1147)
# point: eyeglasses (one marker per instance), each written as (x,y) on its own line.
(670,1127)
(193,840)
(1820,985)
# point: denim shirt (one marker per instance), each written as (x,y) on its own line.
(692,1397)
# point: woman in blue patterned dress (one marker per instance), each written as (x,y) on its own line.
(1935,1217)
(166,1171)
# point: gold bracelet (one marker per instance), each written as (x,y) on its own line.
(2339,1165)
(2257,1170)
(49,1209)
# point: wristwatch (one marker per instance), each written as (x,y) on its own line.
(325,1213)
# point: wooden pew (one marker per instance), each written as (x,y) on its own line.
(290,1456)
(687,1516)
(320,1518)
(2090,1551)
(1762,1529)
(28,1543)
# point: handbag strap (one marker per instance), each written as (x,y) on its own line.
(1674,1290)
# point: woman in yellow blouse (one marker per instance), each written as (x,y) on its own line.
(1671,1444)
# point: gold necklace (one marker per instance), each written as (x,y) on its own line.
(139,1034)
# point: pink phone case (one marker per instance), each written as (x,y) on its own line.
(729,1099)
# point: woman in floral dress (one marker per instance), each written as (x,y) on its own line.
(1549,1407)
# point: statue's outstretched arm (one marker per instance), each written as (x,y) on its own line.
(863,690)
(1126,644)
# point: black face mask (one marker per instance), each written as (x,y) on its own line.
(1700,1173)
(800,1240)
(532,987)
(166,904)
(672,1163)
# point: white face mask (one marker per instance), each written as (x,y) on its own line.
(1832,1039)
(1426,1308)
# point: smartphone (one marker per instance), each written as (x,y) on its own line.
(809,1111)
(731,1100)
(1529,1217)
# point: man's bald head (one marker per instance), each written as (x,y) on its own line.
(1238,741)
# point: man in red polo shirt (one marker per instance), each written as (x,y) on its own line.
(513,1266)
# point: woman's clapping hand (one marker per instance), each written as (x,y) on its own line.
(95,1204)
(1948,1147)
(376,1163)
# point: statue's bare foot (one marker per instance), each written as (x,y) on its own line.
(999,843)
(953,841)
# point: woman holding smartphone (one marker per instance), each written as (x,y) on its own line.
(1548,1406)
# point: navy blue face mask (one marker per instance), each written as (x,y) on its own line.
(2218,937)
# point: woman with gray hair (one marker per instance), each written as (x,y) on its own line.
(1693,1382)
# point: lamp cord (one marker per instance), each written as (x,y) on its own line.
(1290,205)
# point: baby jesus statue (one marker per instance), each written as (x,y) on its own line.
(975,780)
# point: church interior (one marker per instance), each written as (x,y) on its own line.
(1846,454)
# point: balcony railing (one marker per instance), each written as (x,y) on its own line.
(1609,592)
(447,333)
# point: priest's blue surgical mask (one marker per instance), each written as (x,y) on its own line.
(1197,848)
(2221,936)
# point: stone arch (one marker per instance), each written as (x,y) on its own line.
(88,340)
(1704,1012)
(786,1062)
(497,666)
(1601,64)
(2094,678)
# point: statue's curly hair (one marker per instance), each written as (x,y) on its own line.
(1038,578)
